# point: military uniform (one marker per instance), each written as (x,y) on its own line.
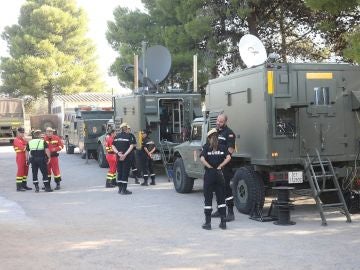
(55,145)
(122,142)
(226,138)
(146,160)
(111,159)
(19,145)
(133,167)
(38,160)
(214,182)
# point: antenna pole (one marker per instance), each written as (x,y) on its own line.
(136,73)
(195,71)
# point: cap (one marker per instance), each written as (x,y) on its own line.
(50,129)
(21,130)
(211,131)
(123,125)
(128,126)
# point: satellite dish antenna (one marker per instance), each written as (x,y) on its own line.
(157,64)
(252,51)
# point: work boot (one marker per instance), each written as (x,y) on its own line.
(152,181)
(222,224)
(19,187)
(207,224)
(145,183)
(136,180)
(57,186)
(24,184)
(216,214)
(113,182)
(37,188)
(230,216)
(120,185)
(48,187)
(126,192)
(109,184)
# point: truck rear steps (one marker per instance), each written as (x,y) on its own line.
(319,172)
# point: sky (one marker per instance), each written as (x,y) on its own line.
(98,12)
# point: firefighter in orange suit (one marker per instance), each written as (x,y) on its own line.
(22,166)
(111,159)
(55,145)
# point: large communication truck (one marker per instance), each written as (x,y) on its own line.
(82,129)
(11,117)
(295,124)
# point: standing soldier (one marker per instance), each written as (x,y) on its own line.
(111,159)
(147,149)
(226,138)
(55,145)
(214,156)
(133,167)
(122,145)
(19,145)
(38,155)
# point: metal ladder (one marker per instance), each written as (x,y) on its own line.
(319,172)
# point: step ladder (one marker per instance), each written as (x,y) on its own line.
(319,172)
(167,157)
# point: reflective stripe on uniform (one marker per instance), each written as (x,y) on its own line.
(221,205)
(207,207)
(229,198)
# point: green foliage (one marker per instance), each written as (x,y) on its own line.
(49,52)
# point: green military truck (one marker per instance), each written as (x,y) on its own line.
(288,120)
(12,116)
(82,129)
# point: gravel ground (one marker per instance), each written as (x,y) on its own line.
(85,226)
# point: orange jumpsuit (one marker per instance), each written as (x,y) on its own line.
(55,145)
(19,145)
(111,159)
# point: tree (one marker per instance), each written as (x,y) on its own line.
(49,52)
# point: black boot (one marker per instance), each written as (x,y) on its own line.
(230,216)
(113,182)
(37,188)
(120,185)
(125,191)
(152,181)
(48,187)
(19,187)
(109,184)
(24,184)
(136,180)
(222,224)
(216,214)
(207,224)
(145,182)
(57,186)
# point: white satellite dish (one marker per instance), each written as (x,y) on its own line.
(252,51)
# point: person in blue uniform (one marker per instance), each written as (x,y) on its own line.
(214,156)
(147,149)
(122,146)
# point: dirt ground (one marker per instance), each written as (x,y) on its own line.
(85,226)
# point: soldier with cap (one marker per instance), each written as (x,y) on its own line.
(214,156)
(122,146)
(226,138)
(55,145)
(111,159)
(147,149)
(19,145)
(38,155)
(133,167)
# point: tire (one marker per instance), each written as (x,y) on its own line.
(101,157)
(248,190)
(69,148)
(182,183)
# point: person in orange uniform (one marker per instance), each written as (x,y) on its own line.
(111,159)
(55,145)
(19,145)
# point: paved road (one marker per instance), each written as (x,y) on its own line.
(85,226)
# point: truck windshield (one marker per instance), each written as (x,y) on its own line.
(11,108)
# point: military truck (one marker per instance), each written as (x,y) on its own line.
(284,116)
(12,116)
(82,129)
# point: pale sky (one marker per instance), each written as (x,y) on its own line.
(98,12)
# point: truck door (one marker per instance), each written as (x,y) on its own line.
(321,123)
(193,153)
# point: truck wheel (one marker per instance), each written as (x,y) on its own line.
(248,190)
(101,157)
(69,148)
(182,183)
